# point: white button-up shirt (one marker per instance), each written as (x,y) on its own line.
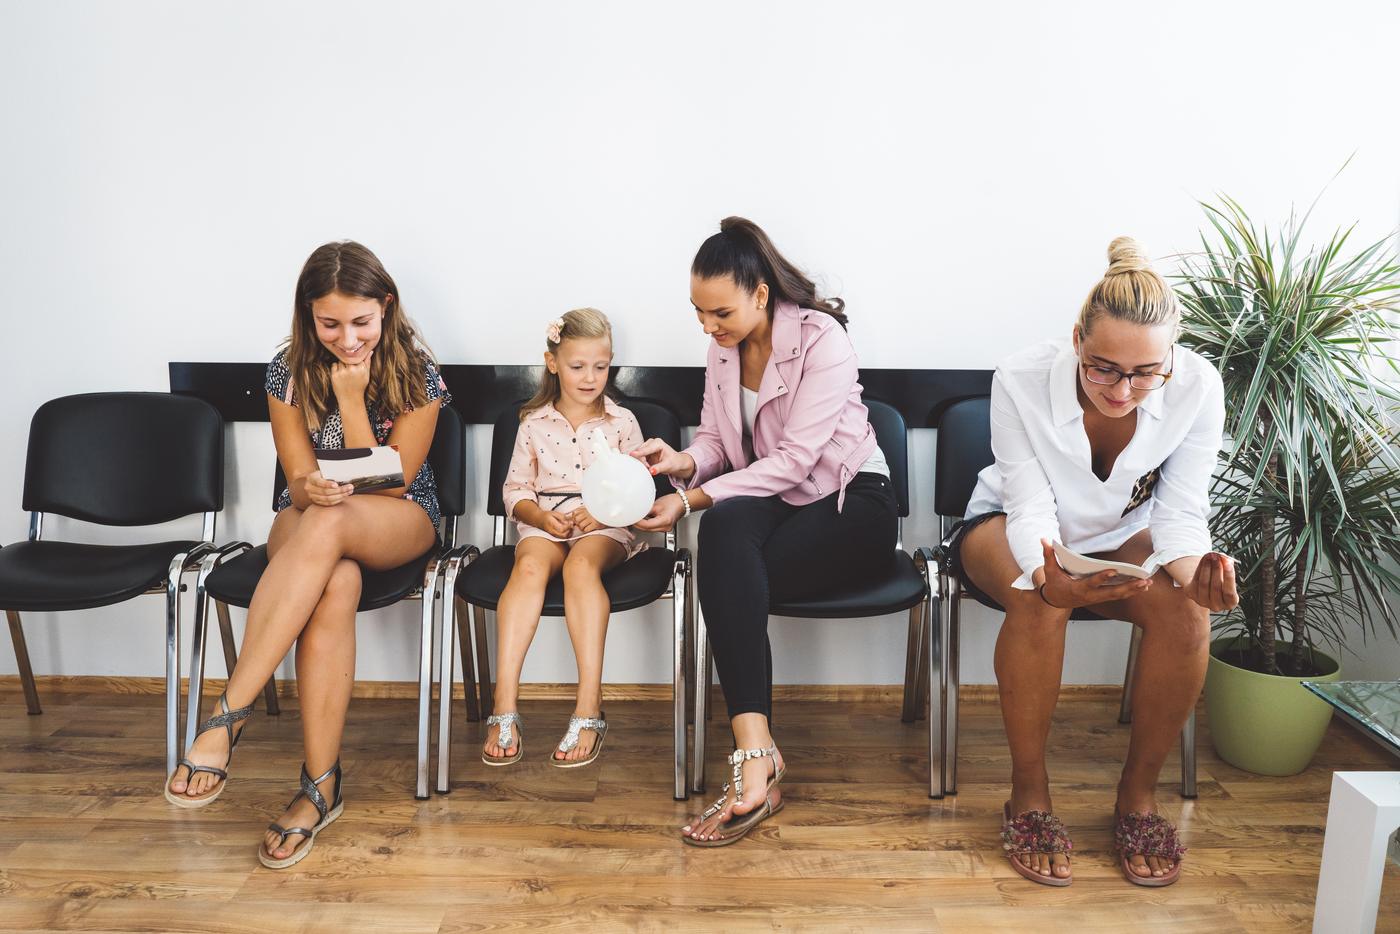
(1043,477)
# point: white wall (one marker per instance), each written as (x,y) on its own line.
(954,170)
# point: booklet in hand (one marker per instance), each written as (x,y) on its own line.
(1077,565)
(367,469)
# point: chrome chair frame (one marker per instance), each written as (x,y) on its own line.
(172,587)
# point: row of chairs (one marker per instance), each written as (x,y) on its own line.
(161,458)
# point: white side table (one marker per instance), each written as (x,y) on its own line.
(1363,812)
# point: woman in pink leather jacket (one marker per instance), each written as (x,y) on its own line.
(795,489)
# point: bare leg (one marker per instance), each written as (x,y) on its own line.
(586,608)
(517,617)
(325,658)
(1171,670)
(1029,661)
(305,547)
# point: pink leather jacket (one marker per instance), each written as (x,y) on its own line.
(812,432)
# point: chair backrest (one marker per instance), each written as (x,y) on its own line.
(964,447)
(447,455)
(125,458)
(657,421)
(894,444)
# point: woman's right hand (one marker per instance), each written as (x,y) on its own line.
(661,458)
(323,492)
(556,523)
(1070,593)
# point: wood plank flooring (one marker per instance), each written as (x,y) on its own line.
(87,842)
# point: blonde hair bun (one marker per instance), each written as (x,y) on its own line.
(1126,255)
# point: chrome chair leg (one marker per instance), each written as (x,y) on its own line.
(425,675)
(483,659)
(702,702)
(912,663)
(199,637)
(173,582)
(951,636)
(1125,709)
(450,631)
(463,616)
(26,673)
(680,587)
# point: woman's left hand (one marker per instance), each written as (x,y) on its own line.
(664,514)
(1213,584)
(583,522)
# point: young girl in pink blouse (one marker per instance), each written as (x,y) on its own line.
(552,449)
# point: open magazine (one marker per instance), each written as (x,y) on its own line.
(1077,565)
(367,469)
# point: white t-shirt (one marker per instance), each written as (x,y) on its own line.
(1043,477)
(748,407)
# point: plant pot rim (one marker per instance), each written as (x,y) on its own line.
(1232,641)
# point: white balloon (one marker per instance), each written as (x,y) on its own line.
(618,490)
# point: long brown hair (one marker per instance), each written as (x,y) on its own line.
(396,379)
(580,323)
(741,249)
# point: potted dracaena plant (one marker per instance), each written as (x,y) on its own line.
(1309,486)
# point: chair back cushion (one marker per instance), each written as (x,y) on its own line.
(894,444)
(125,458)
(964,447)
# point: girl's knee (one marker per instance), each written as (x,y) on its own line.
(581,570)
(532,568)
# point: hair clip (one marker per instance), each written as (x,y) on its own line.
(555,328)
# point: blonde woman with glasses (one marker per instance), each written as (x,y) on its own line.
(1104,443)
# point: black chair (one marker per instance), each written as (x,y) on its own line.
(475,582)
(230,575)
(120,459)
(905,586)
(964,447)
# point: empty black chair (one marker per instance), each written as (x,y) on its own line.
(964,448)
(905,586)
(477,582)
(231,575)
(120,459)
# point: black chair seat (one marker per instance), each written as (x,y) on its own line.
(635,582)
(234,581)
(901,587)
(971,590)
(41,575)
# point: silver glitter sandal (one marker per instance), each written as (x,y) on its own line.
(508,722)
(328,814)
(598,724)
(225,718)
(732,831)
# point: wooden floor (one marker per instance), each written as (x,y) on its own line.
(87,842)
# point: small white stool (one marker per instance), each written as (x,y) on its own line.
(1363,812)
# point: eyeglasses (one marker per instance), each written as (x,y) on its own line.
(1111,375)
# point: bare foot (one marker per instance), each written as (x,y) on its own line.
(1035,796)
(1144,866)
(756,772)
(586,740)
(300,813)
(210,748)
(493,749)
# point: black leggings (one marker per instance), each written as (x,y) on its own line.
(757,551)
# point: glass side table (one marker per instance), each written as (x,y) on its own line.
(1362,814)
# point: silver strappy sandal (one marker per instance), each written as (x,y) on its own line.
(226,719)
(328,813)
(734,830)
(508,722)
(598,724)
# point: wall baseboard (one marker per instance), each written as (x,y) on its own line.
(408,690)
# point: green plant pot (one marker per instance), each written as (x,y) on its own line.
(1266,724)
